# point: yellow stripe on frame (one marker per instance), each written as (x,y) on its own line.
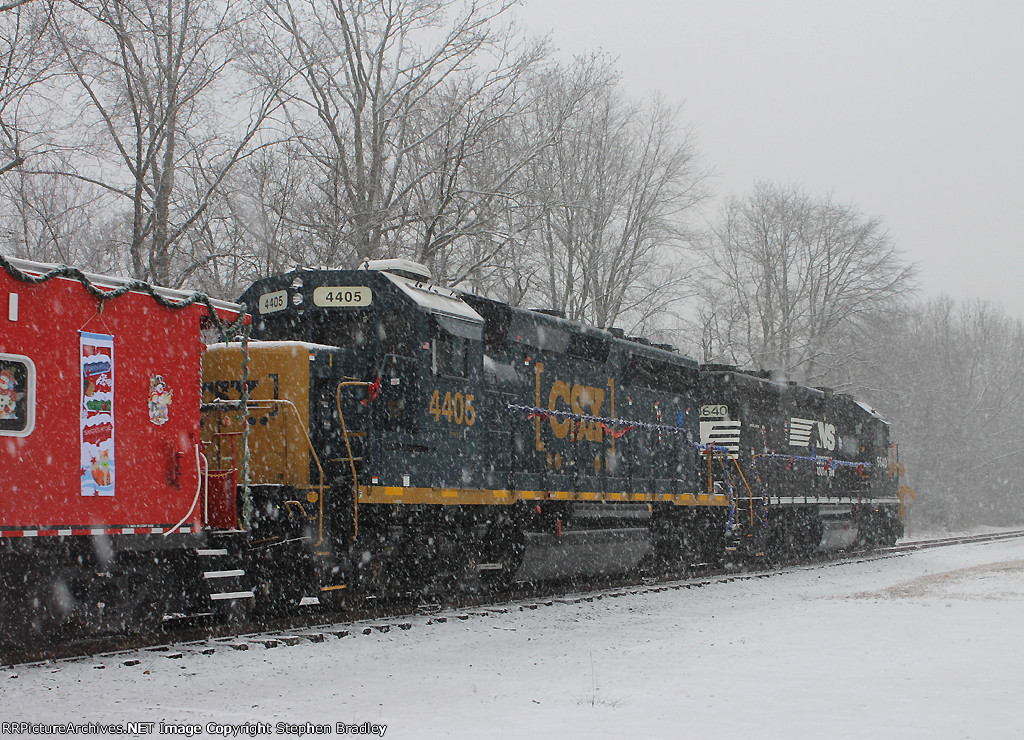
(485,497)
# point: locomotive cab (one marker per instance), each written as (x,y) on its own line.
(377,364)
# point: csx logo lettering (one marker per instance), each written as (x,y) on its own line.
(226,390)
(579,399)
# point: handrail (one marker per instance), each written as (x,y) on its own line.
(199,487)
(220,455)
(206,488)
(348,447)
(262,403)
(750,493)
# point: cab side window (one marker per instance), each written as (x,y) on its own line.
(451,354)
(396,334)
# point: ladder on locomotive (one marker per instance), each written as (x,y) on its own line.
(747,508)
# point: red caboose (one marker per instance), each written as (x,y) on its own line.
(99,434)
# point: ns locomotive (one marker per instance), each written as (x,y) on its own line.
(376,433)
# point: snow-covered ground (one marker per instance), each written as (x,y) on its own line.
(926,645)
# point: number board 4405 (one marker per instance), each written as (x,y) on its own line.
(271,302)
(343,296)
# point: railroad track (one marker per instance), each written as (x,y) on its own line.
(317,626)
(957,540)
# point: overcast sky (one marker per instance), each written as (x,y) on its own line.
(913,111)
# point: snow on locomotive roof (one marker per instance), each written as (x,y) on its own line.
(401,267)
(435,299)
(761,378)
(107,281)
(870,411)
(271,343)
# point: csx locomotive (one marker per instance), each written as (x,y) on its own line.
(373,433)
(402,435)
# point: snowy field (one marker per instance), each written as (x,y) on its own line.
(926,645)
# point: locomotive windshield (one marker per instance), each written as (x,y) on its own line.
(346,329)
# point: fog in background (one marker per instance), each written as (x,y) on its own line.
(910,109)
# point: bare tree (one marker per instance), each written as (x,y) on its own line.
(28,54)
(152,78)
(791,282)
(469,167)
(41,217)
(247,232)
(47,218)
(388,101)
(948,376)
(611,200)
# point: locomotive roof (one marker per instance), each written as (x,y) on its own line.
(762,379)
(759,378)
(435,299)
(871,411)
(465,307)
(526,318)
(428,297)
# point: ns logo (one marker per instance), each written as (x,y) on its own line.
(801,431)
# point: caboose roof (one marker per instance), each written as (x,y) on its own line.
(108,281)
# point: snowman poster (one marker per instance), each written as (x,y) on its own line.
(97,414)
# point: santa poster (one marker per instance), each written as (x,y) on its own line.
(97,414)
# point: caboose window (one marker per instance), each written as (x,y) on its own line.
(17,395)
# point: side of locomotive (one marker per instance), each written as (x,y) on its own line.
(453,438)
(99,450)
(816,463)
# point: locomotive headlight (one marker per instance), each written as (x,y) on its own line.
(297,299)
(297,283)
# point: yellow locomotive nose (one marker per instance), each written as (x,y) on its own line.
(277,414)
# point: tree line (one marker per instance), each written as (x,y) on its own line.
(205,143)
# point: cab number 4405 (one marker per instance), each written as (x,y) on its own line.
(455,407)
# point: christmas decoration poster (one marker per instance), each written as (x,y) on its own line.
(97,414)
